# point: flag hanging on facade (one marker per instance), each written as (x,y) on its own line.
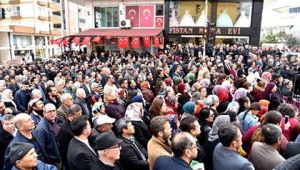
(135,42)
(147,42)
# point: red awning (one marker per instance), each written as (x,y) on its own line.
(118,32)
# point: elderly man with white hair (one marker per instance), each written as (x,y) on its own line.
(67,101)
(80,100)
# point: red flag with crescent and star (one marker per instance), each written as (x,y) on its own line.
(86,41)
(147,16)
(147,42)
(76,40)
(133,13)
(96,40)
(66,42)
(157,41)
(159,22)
(123,42)
(135,42)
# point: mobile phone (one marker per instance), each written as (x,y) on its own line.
(286,119)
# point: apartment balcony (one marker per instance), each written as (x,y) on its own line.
(55,19)
(42,3)
(14,1)
(55,32)
(44,32)
(54,6)
(22,29)
(16,17)
(42,18)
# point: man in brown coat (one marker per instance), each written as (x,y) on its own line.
(160,143)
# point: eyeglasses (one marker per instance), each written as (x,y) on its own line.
(51,111)
(193,147)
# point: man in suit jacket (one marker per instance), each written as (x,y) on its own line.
(46,131)
(226,156)
(133,155)
(80,155)
(65,134)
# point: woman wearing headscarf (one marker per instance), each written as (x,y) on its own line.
(271,95)
(212,101)
(213,139)
(8,99)
(135,112)
(183,98)
(223,96)
(147,93)
(239,93)
(258,91)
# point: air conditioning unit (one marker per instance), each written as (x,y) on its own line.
(125,23)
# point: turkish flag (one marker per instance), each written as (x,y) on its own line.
(123,42)
(76,40)
(52,42)
(58,42)
(147,42)
(147,16)
(135,42)
(132,13)
(65,42)
(159,22)
(86,41)
(157,41)
(96,40)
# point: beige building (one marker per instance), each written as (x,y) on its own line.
(29,25)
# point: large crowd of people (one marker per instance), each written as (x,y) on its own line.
(172,110)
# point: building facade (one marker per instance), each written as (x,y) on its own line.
(287,14)
(29,25)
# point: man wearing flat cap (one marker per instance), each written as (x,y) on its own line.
(23,156)
(108,148)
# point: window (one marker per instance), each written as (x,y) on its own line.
(294,10)
(43,11)
(57,26)
(22,41)
(159,10)
(106,17)
(57,13)
(16,11)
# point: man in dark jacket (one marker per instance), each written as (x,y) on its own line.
(24,156)
(108,148)
(25,125)
(6,135)
(65,134)
(52,96)
(22,97)
(184,148)
(46,131)
(80,100)
(133,155)
(83,156)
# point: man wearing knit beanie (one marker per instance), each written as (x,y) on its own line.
(24,157)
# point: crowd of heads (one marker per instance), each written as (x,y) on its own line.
(237,96)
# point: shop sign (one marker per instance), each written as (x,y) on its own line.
(200,31)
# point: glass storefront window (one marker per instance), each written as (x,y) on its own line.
(106,17)
(22,41)
(234,14)
(189,13)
